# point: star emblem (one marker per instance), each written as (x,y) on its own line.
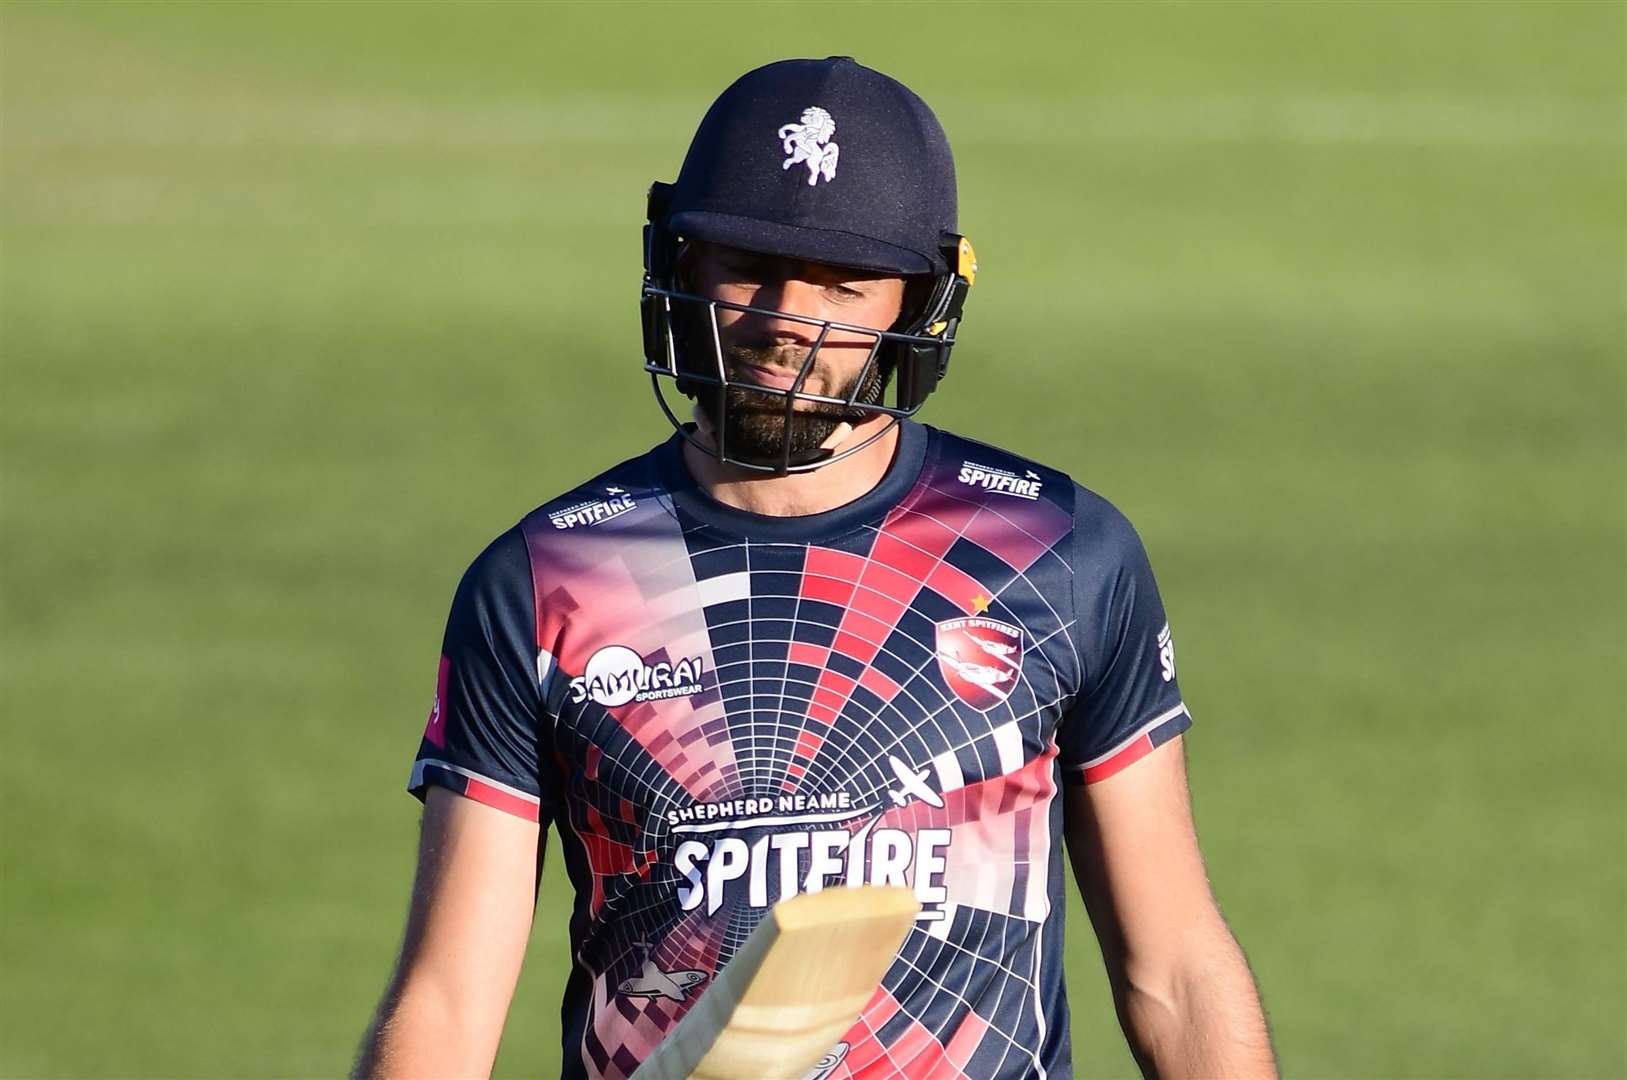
(980,604)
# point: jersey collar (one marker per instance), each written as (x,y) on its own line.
(872,506)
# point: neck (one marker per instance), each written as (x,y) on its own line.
(798,494)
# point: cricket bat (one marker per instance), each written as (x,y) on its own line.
(796,985)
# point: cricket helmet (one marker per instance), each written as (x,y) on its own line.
(822,161)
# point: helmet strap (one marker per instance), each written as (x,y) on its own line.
(835,439)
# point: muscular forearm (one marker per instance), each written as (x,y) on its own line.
(473,900)
(418,1033)
(1200,1020)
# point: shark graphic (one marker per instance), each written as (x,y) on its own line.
(652,982)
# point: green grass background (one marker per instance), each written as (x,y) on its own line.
(301,304)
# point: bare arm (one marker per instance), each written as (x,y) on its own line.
(1185,996)
(443,1012)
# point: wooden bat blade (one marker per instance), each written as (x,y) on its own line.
(796,985)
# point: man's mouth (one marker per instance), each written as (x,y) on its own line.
(775,378)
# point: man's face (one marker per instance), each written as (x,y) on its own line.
(769,351)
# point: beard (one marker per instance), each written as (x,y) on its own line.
(753,422)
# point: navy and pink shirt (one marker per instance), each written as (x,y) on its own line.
(718,709)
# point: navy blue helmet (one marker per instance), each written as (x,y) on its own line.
(824,161)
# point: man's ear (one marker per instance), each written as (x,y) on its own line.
(684,266)
(681,264)
(917,291)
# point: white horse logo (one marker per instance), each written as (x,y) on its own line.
(809,144)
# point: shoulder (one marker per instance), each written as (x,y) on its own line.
(1092,536)
(1100,528)
(592,507)
(616,491)
(502,563)
(596,505)
(982,468)
(1104,539)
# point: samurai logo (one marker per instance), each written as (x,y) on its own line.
(616,675)
(808,143)
(979,659)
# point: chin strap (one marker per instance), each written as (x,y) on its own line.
(836,438)
(703,424)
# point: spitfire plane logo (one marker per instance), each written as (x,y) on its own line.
(808,143)
(979,659)
(911,784)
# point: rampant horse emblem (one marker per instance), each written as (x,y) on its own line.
(809,144)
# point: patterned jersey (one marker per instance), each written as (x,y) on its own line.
(719,709)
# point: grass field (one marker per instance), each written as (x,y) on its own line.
(302,304)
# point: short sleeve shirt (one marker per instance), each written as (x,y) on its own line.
(717,710)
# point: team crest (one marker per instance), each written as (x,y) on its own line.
(808,143)
(979,659)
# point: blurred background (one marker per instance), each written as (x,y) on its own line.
(301,304)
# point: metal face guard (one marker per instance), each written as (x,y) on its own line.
(664,361)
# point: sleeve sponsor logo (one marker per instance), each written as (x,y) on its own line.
(594,511)
(616,675)
(435,728)
(1166,653)
(1001,481)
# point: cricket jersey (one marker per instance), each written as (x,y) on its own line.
(718,709)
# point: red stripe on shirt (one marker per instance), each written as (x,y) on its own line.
(496,797)
(1132,752)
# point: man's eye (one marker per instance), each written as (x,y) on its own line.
(744,269)
(843,292)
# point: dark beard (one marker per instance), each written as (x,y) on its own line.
(753,426)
